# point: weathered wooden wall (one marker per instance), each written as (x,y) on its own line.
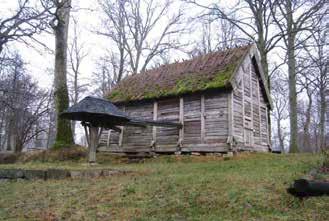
(250,129)
(204,118)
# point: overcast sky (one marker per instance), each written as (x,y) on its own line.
(40,62)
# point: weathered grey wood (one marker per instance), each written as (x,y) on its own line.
(243,108)
(181,120)
(230,119)
(122,130)
(251,103)
(93,138)
(168,110)
(202,119)
(267,128)
(259,111)
(155,117)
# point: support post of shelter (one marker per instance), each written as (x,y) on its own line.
(92,135)
(93,132)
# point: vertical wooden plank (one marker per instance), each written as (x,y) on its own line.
(202,120)
(230,118)
(155,117)
(267,128)
(122,130)
(259,111)
(251,102)
(243,111)
(181,119)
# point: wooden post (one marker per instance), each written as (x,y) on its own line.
(93,139)
(154,128)
(267,128)
(121,134)
(181,120)
(252,104)
(230,118)
(243,110)
(260,113)
(202,119)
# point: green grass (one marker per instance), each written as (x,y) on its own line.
(248,187)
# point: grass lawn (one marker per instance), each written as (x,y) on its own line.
(248,187)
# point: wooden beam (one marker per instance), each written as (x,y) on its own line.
(252,104)
(181,120)
(93,138)
(122,130)
(230,118)
(260,114)
(202,119)
(160,123)
(243,110)
(267,127)
(155,117)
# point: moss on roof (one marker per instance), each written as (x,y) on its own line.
(210,71)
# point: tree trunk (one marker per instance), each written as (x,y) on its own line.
(307,137)
(280,136)
(292,92)
(323,108)
(63,127)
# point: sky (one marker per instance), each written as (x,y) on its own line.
(40,62)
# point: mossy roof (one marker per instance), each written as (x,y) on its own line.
(210,71)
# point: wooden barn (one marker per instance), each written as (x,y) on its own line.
(221,100)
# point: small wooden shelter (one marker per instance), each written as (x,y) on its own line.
(221,99)
(97,114)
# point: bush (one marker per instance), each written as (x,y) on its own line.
(74,153)
(6,158)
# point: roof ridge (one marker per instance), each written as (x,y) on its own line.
(226,51)
(208,71)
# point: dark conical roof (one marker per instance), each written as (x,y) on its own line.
(97,111)
(102,113)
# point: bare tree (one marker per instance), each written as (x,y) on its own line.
(23,105)
(255,23)
(294,18)
(315,64)
(105,76)
(60,25)
(280,104)
(116,29)
(217,34)
(77,54)
(27,20)
(130,24)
